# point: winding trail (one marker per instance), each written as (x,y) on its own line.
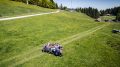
(18,17)
(20,59)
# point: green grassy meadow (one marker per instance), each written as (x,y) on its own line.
(92,51)
(108,17)
(22,39)
(86,43)
(10,8)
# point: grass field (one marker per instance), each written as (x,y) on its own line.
(92,51)
(86,43)
(108,17)
(11,8)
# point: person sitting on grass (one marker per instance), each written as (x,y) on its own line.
(52,48)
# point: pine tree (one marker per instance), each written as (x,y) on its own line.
(52,1)
(56,6)
(92,12)
(52,4)
(118,17)
(61,6)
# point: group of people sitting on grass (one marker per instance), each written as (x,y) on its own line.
(54,48)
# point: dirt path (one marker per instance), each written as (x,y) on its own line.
(22,59)
(18,17)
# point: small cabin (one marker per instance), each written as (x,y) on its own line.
(98,20)
(108,14)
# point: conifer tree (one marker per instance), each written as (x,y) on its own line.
(118,17)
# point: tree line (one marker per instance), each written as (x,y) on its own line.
(113,11)
(63,7)
(92,12)
(42,3)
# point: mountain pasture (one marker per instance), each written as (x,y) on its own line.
(22,39)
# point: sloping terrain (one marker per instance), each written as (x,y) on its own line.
(12,8)
(95,50)
(85,42)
